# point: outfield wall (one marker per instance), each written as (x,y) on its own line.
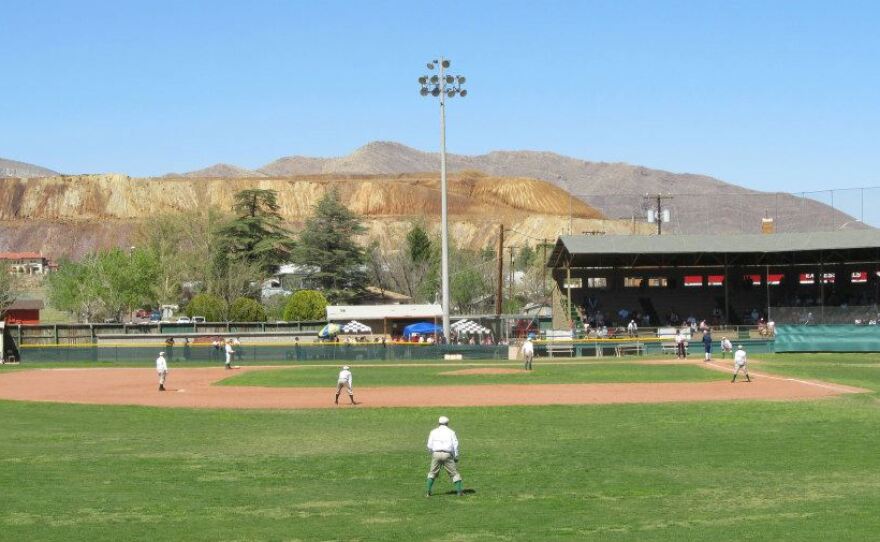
(275,352)
(828,338)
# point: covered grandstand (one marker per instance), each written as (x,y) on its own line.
(822,277)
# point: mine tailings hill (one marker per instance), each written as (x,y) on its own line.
(68,216)
(702,204)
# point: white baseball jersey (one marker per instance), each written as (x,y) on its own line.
(443,439)
(161,365)
(528,349)
(344,377)
(229,352)
(739,357)
(726,345)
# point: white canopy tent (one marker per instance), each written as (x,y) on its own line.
(356,327)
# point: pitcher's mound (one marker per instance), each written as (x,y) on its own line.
(483,371)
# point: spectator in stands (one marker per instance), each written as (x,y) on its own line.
(632,328)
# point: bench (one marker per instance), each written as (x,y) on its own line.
(636,348)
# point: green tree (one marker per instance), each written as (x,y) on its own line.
(256,235)
(182,243)
(245,309)
(74,288)
(306,305)
(230,279)
(418,244)
(8,291)
(210,306)
(328,244)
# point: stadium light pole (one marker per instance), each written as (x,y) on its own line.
(441,85)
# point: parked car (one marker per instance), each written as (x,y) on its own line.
(198,319)
(184,320)
(155,316)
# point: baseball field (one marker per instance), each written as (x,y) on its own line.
(609,450)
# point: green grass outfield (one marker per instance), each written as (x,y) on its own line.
(691,471)
(427,375)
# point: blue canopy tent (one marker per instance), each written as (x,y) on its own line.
(422,328)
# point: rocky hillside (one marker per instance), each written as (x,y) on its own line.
(701,204)
(71,215)
(11,168)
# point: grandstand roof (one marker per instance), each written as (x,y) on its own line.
(713,250)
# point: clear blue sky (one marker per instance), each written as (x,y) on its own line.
(771,95)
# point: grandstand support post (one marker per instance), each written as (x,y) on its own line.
(726,293)
(821,290)
(568,293)
(767,286)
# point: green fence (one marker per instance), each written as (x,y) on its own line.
(828,338)
(257,352)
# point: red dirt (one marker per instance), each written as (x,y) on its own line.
(192,388)
(483,371)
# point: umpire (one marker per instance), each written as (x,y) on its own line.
(443,445)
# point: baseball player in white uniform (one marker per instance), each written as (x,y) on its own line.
(344,380)
(528,351)
(162,370)
(443,446)
(726,346)
(229,353)
(739,364)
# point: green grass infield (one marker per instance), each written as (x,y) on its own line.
(789,470)
(438,375)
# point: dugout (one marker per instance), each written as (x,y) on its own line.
(723,279)
(386,320)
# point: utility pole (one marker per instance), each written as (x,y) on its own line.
(512,275)
(499,255)
(659,212)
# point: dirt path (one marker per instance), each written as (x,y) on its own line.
(193,388)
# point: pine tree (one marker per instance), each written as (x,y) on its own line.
(257,235)
(327,244)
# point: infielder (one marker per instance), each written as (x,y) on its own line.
(739,364)
(229,353)
(443,446)
(344,380)
(162,370)
(528,351)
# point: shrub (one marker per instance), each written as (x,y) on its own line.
(245,309)
(306,305)
(207,305)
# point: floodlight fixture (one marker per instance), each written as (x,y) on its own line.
(442,85)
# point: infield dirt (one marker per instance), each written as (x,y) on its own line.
(192,388)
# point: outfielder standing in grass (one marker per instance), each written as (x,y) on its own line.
(528,351)
(739,363)
(344,380)
(162,370)
(443,445)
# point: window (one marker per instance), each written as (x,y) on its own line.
(597,282)
(657,282)
(754,278)
(693,280)
(632,282)
(572,284)
(715,280)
